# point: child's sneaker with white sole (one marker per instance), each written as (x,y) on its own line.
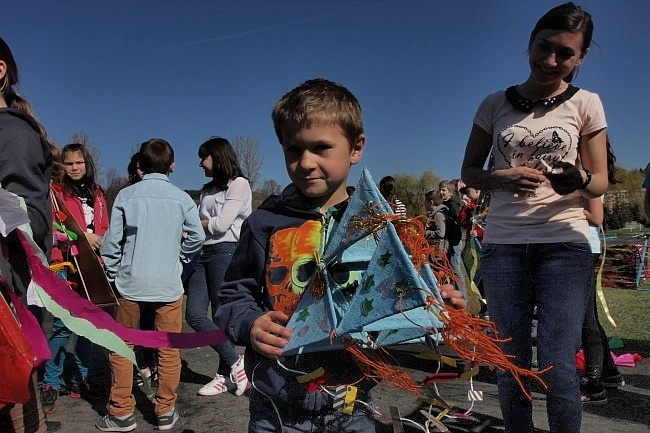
(214,387)
(238,376)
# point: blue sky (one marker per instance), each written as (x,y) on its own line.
(126,71)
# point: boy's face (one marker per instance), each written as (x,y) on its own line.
(318,159)
(446,194)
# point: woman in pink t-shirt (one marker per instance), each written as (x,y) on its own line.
(547,139)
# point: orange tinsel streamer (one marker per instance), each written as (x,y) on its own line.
(411,232)
(463,333)
(380,366)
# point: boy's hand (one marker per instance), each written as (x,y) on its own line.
(268,335)
(455,297)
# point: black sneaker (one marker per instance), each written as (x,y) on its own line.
(53,426)
(75,390)
(613,381)
(166,421)
(594,399)
(592,392)
(48,399)
(115,424)
(78,388)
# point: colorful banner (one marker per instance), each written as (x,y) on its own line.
(81,308)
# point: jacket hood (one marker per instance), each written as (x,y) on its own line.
(292,202)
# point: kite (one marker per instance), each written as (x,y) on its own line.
(374,282)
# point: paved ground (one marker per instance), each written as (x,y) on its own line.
(628,409)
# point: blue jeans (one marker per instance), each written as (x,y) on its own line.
(58,344)
(264,419)
(557,278)
(454,256)
(202,286)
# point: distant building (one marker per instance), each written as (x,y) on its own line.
(633,225)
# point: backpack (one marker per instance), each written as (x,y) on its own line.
(453,231)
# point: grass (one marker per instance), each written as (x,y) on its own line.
(630,310)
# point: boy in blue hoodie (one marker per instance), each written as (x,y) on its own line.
(320,127)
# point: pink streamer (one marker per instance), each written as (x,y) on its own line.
(82,308)
(30,327)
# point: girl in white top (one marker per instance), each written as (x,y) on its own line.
(225,203)
(388,189)
(547,138)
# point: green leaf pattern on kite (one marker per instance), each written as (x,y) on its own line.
(303,315)
(384,259)
(368,283)
(400,286)
(366,307)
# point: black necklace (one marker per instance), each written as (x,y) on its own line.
(526,105)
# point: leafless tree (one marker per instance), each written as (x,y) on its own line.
(250,158)
(269,187)
(114,183)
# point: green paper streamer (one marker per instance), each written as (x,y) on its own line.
(86,329)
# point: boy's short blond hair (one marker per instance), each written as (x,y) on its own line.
(318,101)
(451,185)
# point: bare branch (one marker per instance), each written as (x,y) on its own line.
(250,158)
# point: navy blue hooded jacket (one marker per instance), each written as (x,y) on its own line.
(243,297)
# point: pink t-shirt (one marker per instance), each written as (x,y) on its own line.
(535,139)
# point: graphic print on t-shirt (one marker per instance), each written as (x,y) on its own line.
(519,146)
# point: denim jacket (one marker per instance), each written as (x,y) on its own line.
(154,227)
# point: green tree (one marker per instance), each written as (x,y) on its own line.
(412,188)
(624,199)
(269,187)
(628,180)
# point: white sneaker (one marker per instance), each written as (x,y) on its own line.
(214,387)
(238,376)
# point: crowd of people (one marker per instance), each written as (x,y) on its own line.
(549,167)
